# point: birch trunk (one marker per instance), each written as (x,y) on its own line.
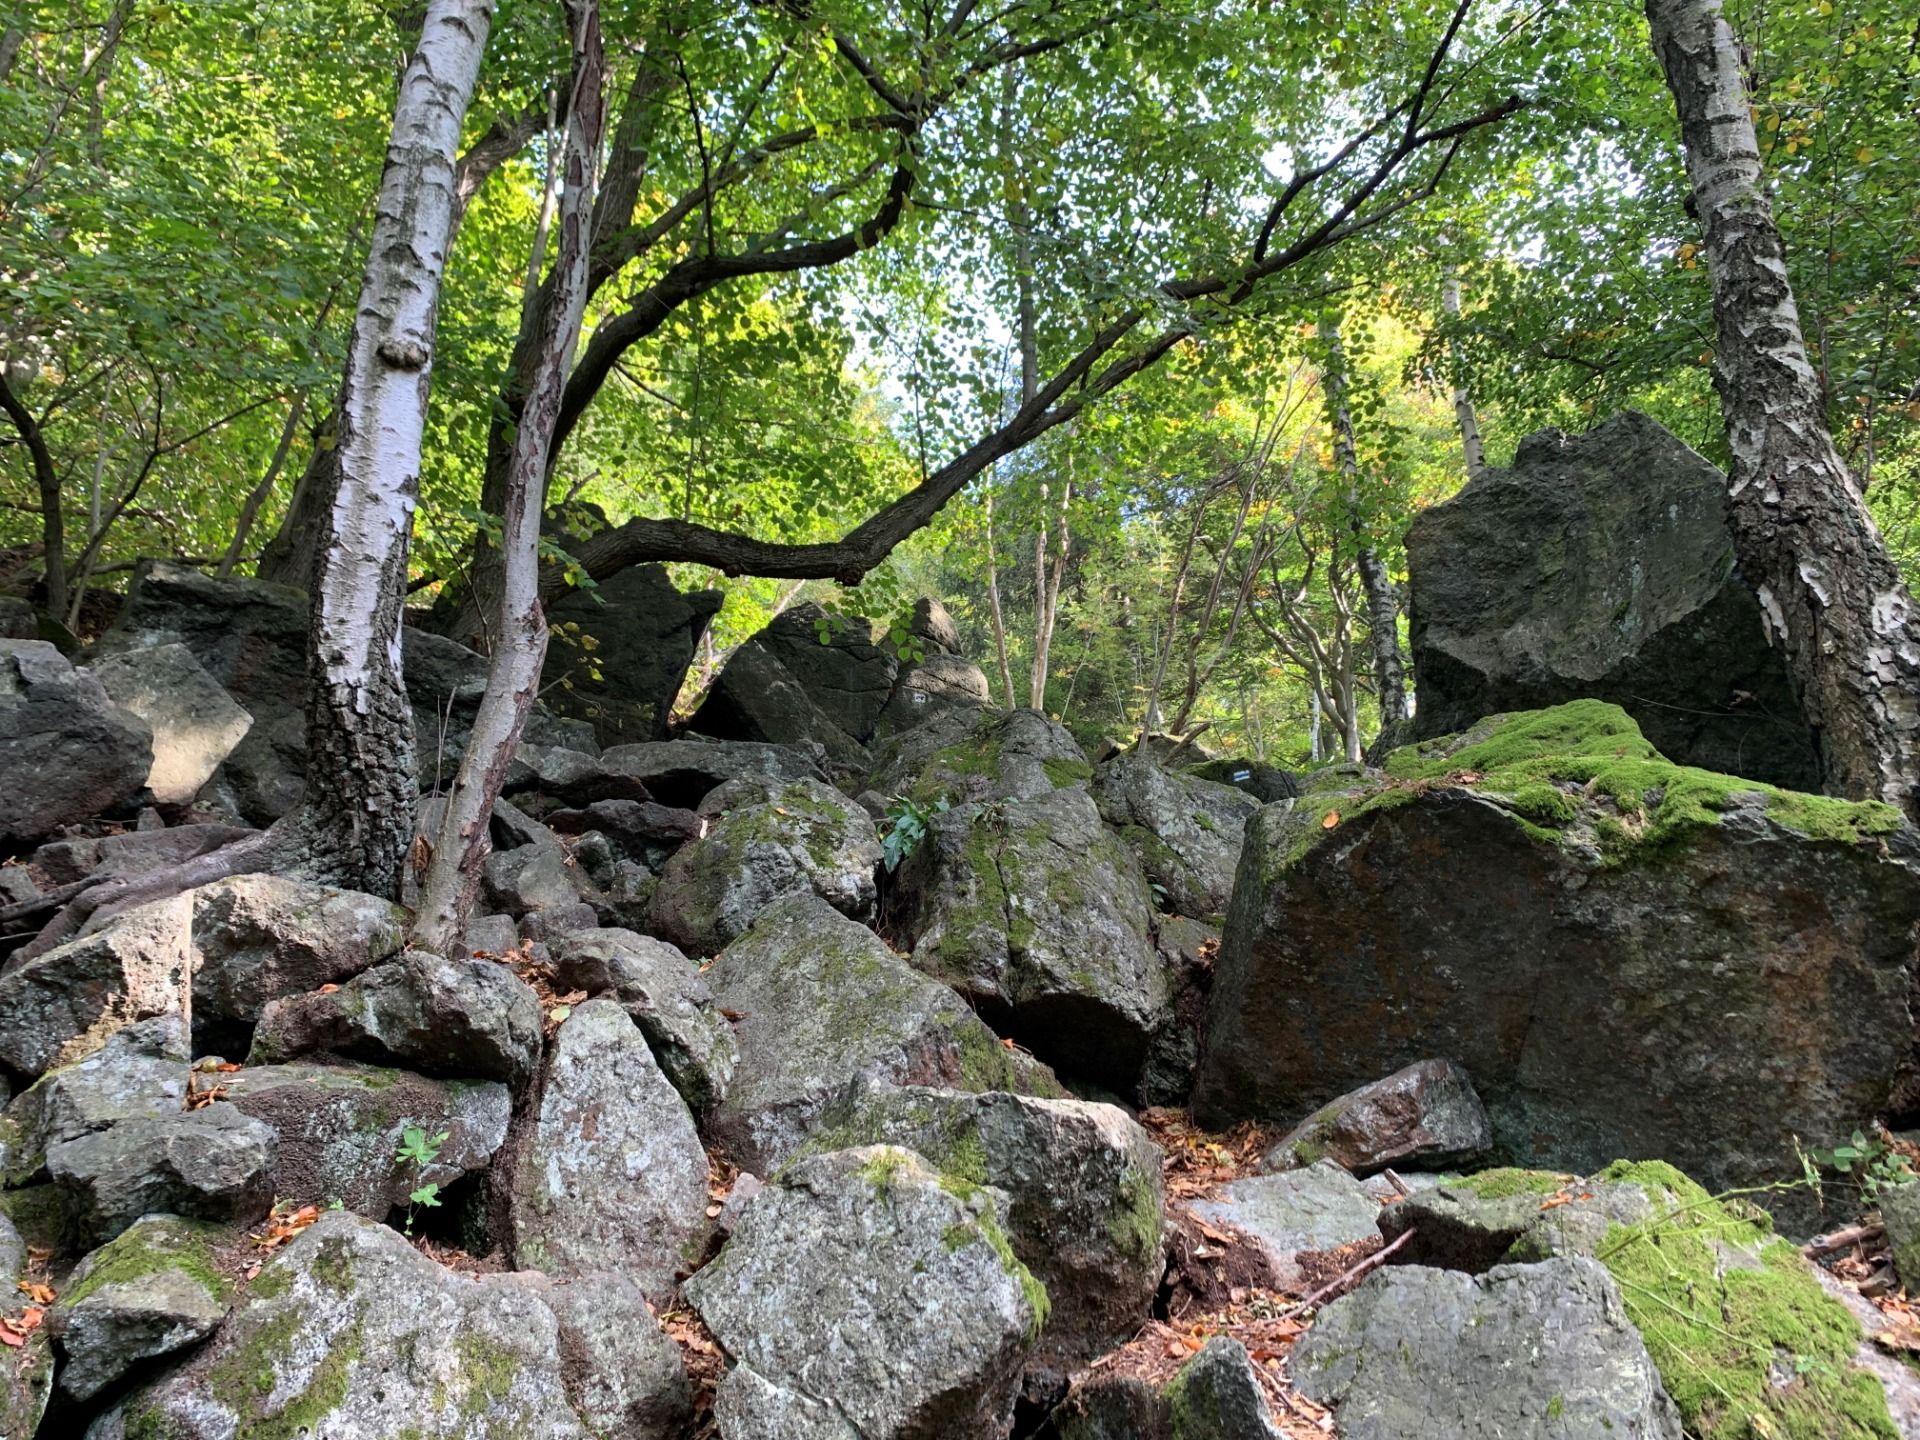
(1383,603)
(357,814)
(520,645)
(1832,598)
(993,607)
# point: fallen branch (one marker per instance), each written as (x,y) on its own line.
(1344,1280)
(1842,1240)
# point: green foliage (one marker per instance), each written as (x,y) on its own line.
(420,1150)
(907,823)
(1869,1161)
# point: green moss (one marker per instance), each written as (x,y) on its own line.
(1726,1309)
(1503,1183)
(488,1370)
(1556,1407)
(1066,772)
(885,1166)
(245,1378)
(965,1159)
(147,1249)
(39,1214)
(986,1228)
(1135,1226)
(1205,822)
(1549,766)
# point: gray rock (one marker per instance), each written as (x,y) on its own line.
(1425,1115)
(339,1129)
(1319,1208)
(663,993)
(61,1006)
(351,1333)
(1266,783)
(152,1290)
(1524,1350)
(644,830)
(139,1071)
(1897,1378)
(1607,971)
(1472,1223)
(1217,1396)
(458,1018)
(1084,1195)
(756,697)
(765,841)
(611,1173)
(533,877)
(18,620)
(1185,830)
(676,773)
(195,723)
(965,757)
(643,633)
(848,677)
(1601,565)
(1041,917)
(628,1380)
(933,624)
(928,687)
(822,1002)
(213,1163)
(261,938)
(862,1299)
(1900,1213)
(68,752)
(1111,1407)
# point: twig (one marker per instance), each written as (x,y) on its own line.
(1841,1240)
(1349,1275)
(1396,1182)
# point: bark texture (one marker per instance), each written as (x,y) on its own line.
(357,816)
(520,634)
(1472,450)
(1831,596)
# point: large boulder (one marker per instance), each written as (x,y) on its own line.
(1524,1350)
(665,994)
(931,686)
(62,1005)
(251,637)
(610,1173)
(195,723)
(141,1071)
(1319,1208)
(261,938)
(765,840)
(845,663)
(1601,565)
(131,852)
(620,652)
(213,1163)
(353,1334)
(821,1002)
(676,773)
(68,752)
(472,1019)
(969,756)
(755,697)
(339,1129)
(865,1297)
(152,1290)
(1626,956)
(1040,915)
(1084,1195)
(1217,1395)
(1185,830)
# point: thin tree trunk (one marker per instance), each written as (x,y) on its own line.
(1383,602)
(1471,447)
(46,478)
(1047,591)
(461,845)
(993,608)
(1832,597)
(257,497)
(1165,648)
(357,814)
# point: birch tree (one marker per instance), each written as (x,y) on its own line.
(1832,598)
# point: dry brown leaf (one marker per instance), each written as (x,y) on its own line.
(1330,819)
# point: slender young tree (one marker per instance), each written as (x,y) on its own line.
(1832,597)
(460,846)
(1472,449)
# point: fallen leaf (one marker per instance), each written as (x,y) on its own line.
(328,989)
(1554,1202)
(1006,1044)
(38,1293)
(1330,819)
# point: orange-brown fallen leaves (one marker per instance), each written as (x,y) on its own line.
(284,1221)
(704,1361)
(1197,1162)
(14,1329)
(1255,1319)
(555,1005)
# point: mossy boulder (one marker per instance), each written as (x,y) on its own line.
(213,1163)
(1215,1396)
(1525,1350)
(974,757)
(822,1002)
(352,1333)
(1186,830)
(865,1294)
(1085,1200)
(1425,1116)
(1601,565)
(153,1290)
(1041,916)
(1319,1208)
(1626,955)
(765,839)
(140,1071)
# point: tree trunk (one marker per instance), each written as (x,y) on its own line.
(1832,597)
(1046,581)
(520,645)
(357,814)
(47,479)
(1383,602)
(993,608)
(257,497)
(1471,447)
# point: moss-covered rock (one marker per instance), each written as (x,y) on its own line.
(1185,830)
(153,1290)
(1624,954)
